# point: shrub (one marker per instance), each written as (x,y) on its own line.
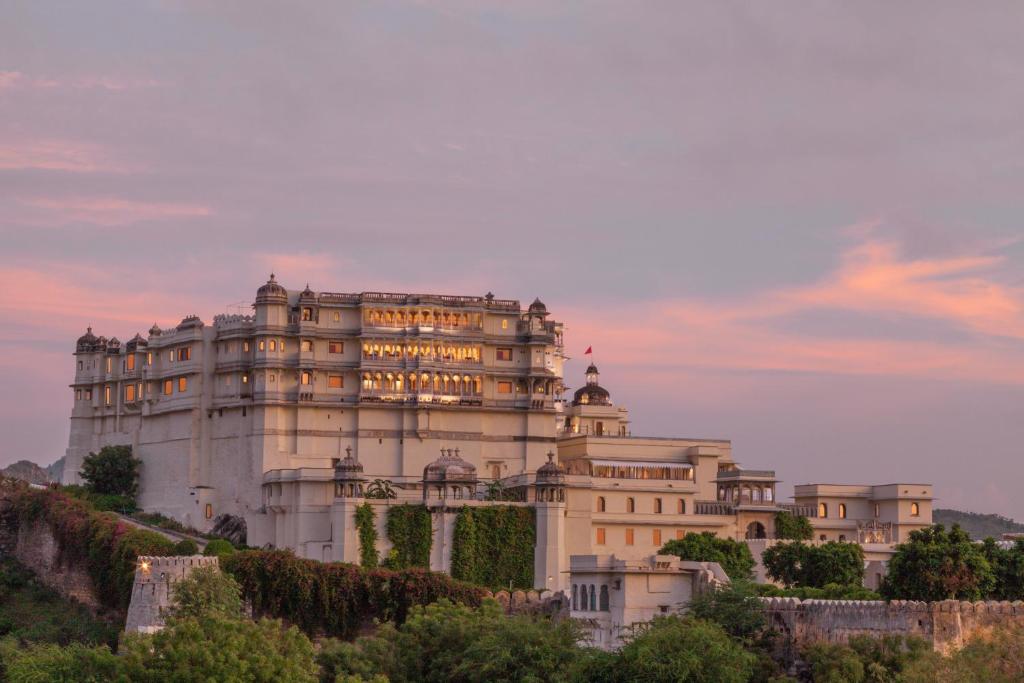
(830,591)
(218,547)
(333,598)
(734,607)
(793,527)
(47,662)
(206,591)
(186,546)
(733,556)
(112,471)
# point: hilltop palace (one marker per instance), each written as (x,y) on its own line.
(284,417)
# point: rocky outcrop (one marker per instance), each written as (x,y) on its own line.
(27,471)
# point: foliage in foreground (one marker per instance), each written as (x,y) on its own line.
(733,556)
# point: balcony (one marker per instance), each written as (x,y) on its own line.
(710,507)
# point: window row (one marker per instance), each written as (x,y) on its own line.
(746,494)
(128,363)
(423,318)
(670,472)
(585,599)
(629,536)
(657,508)
(134,391)
(425,350)
(309,314)
(424,382)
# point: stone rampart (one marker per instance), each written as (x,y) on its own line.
(151,591)
(36,548)
(946,625)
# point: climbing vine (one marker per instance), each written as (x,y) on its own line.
(411,533)
(494,546)
(366,525)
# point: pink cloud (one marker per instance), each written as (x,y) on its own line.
(56,155)
(17,79)
(872,278)
(111,212)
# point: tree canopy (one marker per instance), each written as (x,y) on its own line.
(114,471)
(815,566)
(793,527)
(935,564)
(733,556)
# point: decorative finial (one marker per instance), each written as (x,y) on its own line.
(551,456)
(271,277)
(348,451)
(456,452)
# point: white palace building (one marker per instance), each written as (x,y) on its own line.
(283,417)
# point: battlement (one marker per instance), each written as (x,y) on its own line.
(946,624)
(151,590)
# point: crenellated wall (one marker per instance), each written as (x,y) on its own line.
(151,591)
(946,625)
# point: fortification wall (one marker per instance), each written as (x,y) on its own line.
(35,547)
(151,591)
(946,625)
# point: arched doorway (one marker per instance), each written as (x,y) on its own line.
(756,530)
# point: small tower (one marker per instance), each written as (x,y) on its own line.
(449,477)
(549,563)
(271,304)
(309,308)
(349,481)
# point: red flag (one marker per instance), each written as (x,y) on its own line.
(590,350)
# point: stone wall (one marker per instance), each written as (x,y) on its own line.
(151,591)
(946,625)
(35,547)
(534,602)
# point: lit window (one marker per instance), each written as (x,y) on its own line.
(245,346)
(600,536)
(129,361)
(110,367)
(79,365)
(170,356)
(282,345)
(629,537)
(307,378)
(600,504)
(842,511)
(273,345)
(657,505)
(168,387)
(915,510)
(504,354)
(656,537)
(245,379)
(272,378)
(504,387)
(630,505)
(138,390)
(336,317)
(149,358)
(823,509)
(335,381)
(129,392)
(307,314)
(877,510)
(307,345)
(209,511)
(182,384)
(185,353)
(106,395)
(78,394)
(504,324)
(336,347)
(262,345)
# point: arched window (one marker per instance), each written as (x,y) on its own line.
(915,510)
(657,505)
(630,505)
(823,509)
(681,506)
(575,597)
(604,599)
(593,598)
(877,509)
(842,511)
(757,495)
(768,495)
(600,504)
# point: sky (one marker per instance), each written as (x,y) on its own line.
(793,225)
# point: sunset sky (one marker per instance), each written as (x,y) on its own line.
(794,225)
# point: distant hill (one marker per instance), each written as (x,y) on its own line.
(26,470)
(978,525)
(56,469)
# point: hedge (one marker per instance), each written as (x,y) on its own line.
(411,532)
(334,598)
(107,546)
(494,546)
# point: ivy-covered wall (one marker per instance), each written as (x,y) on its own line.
(411,534)
(366,525)
(493,546)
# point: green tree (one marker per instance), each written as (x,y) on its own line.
(831,663)
(733,556)
(793,527)
(736,608)
(684,649)
(934,564)
(815,566)
(114,470)
(206,591)
(215,648)
(186,546)
(1008,567)
(218,547)
(47,663)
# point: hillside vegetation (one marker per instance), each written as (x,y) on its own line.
(978,525)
